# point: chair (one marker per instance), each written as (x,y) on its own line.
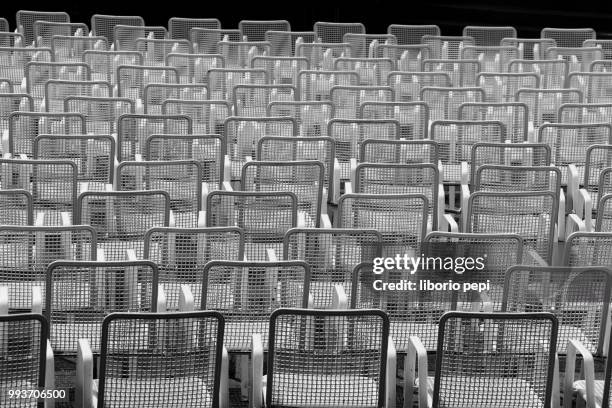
(255,30)
(14,60)
(283,43)
(207,116)
(101,113)
(361,44)
(186,364)
(412,116)
(315,85)
(487,359)
(133,130)
(264,217)
(238,54)
(11,39)
(408,85)
(595,86)
(500,87)
(372,71)
(181,254)
(407,58)
(530,48)
(56,91)
(156,94)
(509,154)
(37,73)
(126,35)
(462,72)
(120,219)
(28,250)
(446,46)
(579,58)
(568,37)
(104,64)
(104,25)
(44,31)
(193,68)
(311,116)
(489,36)
(16,207)
(4,25)
(412,34)
(553,73)
(331,357)
(347,99)
(221,81)
(514,116)
(132,79)
(334,32)
(282,70)
(25,20)
(155,51)
(544,105)
(206,40)
(444,101)
(588,249)
(253,100)
(603,221)
(584,112)
(66,48)
(321,55)
(604,44)
(180,27)
(399,151)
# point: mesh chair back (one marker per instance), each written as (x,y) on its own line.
(80,294)
(372,71)
(348,98)
(399,151)
(490,177)
(181,254)
(37,74)
(501,87)
(447,47)
(568,37)
(530,48)
(412,34)
(316,85)
(72,49)
(327,357)
(183,354)
(193,68)
(121,218)
(509,154)
(362,43)
(104,25)
(180,28)
(311,116)
(604,214)
(579,297)
(133,130)
(407,58)
(14,102)
(221,81)
(126,35)
(584,112)
(489,36)
(14,60)
(16,207)
(281,70)
(44,31)
(553,73)
(514,116)
(412,116)
(604,44)
(246,292)
(156,94)
(595,86)
(23,352)
(495,358)
(283,43)
(101,113)
(322,55)
(264,216)
(588,249)
(156,51)
(27,251)
(255,30)
(104,64)
(238,54)
(4,25)
(579,58)
(462,72)
(132,79)
(334,32)
(544,104)
(205,40)
(206,116)
(408,85)
(444,102)
(253,100)
(56,91)
(25,20)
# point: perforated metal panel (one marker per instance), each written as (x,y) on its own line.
(361,44)
(311,116)
(588,249)
(579,59)
(322,55)
(12,39)
(408,85)
(372,71)
(604,214)
(56,91)
(584,112)
(408,58)
(13,102)
(492,58)
(205,40)
(595,86)
(489,177)
(238,54)
(347,99)
(605,45)
(155,50)
(509,154)
(597,178)
(446,46)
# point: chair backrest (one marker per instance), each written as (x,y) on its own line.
(399,151)
(444,102)
(132,79)
(206,40)
(155,51)
(238,54)
(597,173)
(553,73)
(221,81)
(412,34)
(588,249)
(584,112)
(311,116)
(67,48)
(101,113)
(372,71)
(311,349)
(596,86)
(604,44)
(501,87)
(489,177)
(180,27)
(104,25)
(604,214)
(156,94)
(446,46)
(44,31)
(183,353)
(489,36)
(14,102)
(79,294)
(283,43)
(361,43)
(4,24)
(322,55)
(334,32)
(246,292)
(126,35)
(16,207)
(530,48)
(412,116)
(15,58)
(578,296)
(253,100)
(25,21)
(495,358)
(56,92)
(407,58)
(462,72)
(255,30)
(514,115)
(11,39)
(408,85)
(315,85)
(207,116)
(282,70)
(544,104)
(568,37)
(347,99)
(509,154)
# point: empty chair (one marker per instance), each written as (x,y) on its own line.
(447,47)
(579,59)
(413,117)
(584,112)
(255,30)
(604,44)
(347,99)
(16,207)
(184,354)
(132,79)
(14,60)
(206,40)
(568,37)
(514,116)
(595,86)
(104,64)
(253,100)
(56,91)
(444,102)
(489,36)
(13,102)
(155,51)
(544,105)
(399,151)
(490,359)
(206,116)
(180,27)
(508,154)
(126,35)
(311,116)
(316,85)
(412,34)
(407,58)
(604,214)
(408,85)
(588,249)
(101,113)
(361,44)
(193,68)
(11,39)
(322,55)
(501,87)
(281,70)
(44,31)
(72,48)
(462,72)
(553,73)
(121,218)
(334,32)
(25,20)
(530,48)
(238,54)
(372,71)
(221,81)
(283,43)
(104,25)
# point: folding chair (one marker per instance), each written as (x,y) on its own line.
(588,249)
(207,150)
(264,217)
(401,219)
(120,219)
(72,49)
(133,130)
(407,58)
(584,112)
(579,58)
(253,100)
(509,154)
(28,250)
(12,39)
(334,32)
(316,85)
(101,113)
(372,71)
(347,99)
(25,126)
(181,255)
(543,105)
(412,116)
(330,357)
(104,25)
(25,20)
(132,79)
(26,358)
(291,149)
(311,116)
(568,37)
(16,207)
(243,133)
(182,180)
(408,85)
(501,87)
(595,86)
(104,64)
(93,155)
(423,178)
(412,34)
(14,60)
(514,116)
(56,91)
(186,363)
(305,179)
(126,35)
(444,102)
(193,68)
(553,73)
(238,54)
(221,81)
(283,43)
(488,36)
(180,27)
(488,359)
(205,40)
(332,254)
(604,44)
(399,151)
(44,31)
(281,70)
(531,215)
(321,55)
(155,50)
(52,184)
(462,72)
(361,44)
(447,47)
(530,48)
(255,30)
(349,134)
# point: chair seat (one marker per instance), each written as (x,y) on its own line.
(580,388)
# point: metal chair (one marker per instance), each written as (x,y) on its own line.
(16,207)
(553,73)
(347,99)
(283,43)
(311,116)
(205,40)
(25,20)
(604,44)
(413,117)
(399,151)
(104,64)
(595,86)
(104,25)
(444,102)
(253,100)
(407,58)
(126,35)
(14,60)
(462,72)
(587,249)
(221,81)
(412,34)
(157,93)
(101,113)
(485,36)
(543,105)
(66,48)
(584,112)
(238,54)
(282,70)
(568,37)
(509,154)
(155,51)
(44,31)
(334,32)
(408,85)
(255,30)
(530,48)
(56,91)
(180,27)
(321,55)
(514,116)
(578,58)
(315,85)
(500,87)
(446,46)
(207,116)
(132,79)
